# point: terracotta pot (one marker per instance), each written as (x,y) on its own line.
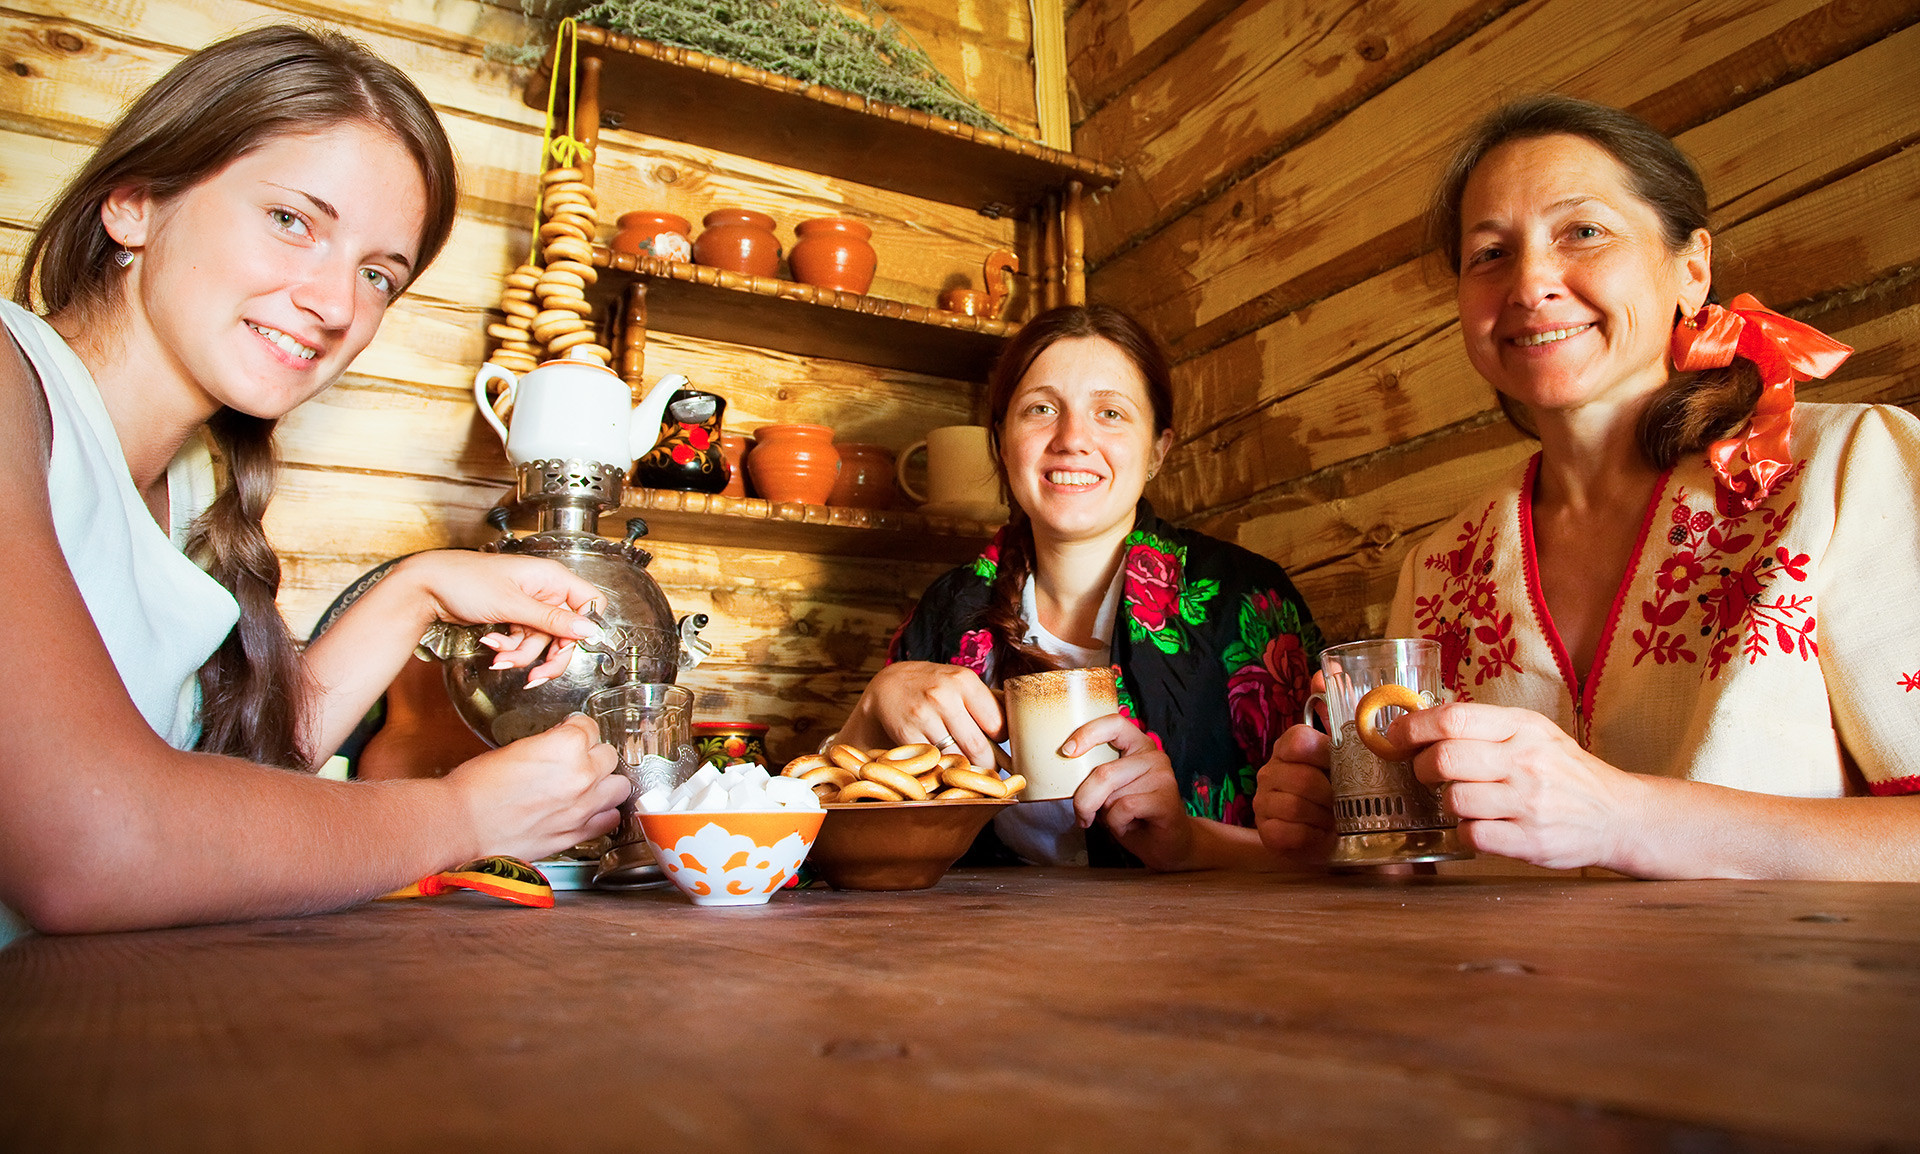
(734,448)
(833,253)
(866,476)
(740,241)
(658,234)
(794,463)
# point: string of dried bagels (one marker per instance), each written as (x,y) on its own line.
(904,773)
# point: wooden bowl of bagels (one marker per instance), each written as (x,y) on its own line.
(897,819)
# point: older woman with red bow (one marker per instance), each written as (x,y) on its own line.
(1684,638)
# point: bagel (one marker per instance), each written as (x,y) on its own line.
(502,332)
(955,793)
(929,781)
(868,791)
(831,775)
(555,187)
(805,762)
(565,341)
(904,784)
(1366,714)
(912,760)
(519,309)
(826,791)
(1014,785)
(984,784)
(570,248)
(559,228)
(560,175)
(560,300)
(554,277)
(577,268)
(847,757)
(954,761)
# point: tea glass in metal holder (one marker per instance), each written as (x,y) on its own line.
(651,726)
(1383,814)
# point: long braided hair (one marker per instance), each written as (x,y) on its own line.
(1013,656)
(207,111)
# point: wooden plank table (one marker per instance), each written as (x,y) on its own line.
(1003,1010)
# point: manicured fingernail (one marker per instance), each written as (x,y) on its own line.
(537,682)
(503,663)
(493,640)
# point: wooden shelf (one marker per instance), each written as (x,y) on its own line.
(684,95)
(709,519)
(698,301)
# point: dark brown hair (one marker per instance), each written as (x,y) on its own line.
(1013,656)
(209,110)
(1693,408)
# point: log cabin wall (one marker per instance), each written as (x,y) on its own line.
(1278,156)
(394,458)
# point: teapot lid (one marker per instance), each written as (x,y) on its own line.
(576,357)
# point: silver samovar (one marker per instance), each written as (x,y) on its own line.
(639,641)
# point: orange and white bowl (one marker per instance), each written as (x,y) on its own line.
(730,858)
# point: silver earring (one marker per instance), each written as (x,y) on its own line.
(124,257)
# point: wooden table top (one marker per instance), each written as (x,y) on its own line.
(1005,1009)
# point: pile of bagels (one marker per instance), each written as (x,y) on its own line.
(546,309)
(845,774)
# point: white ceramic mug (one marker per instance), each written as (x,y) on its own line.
(961,478)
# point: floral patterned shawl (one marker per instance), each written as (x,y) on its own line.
(1214,657)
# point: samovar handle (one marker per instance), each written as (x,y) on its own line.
(636,529)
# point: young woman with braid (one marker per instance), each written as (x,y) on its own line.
(1212,643)
(225,254)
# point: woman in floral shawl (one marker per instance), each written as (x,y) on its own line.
(1212,644)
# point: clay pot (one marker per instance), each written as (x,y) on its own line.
(734,448)
(833,253)
(866,476)
(658,234)
(794,463)
(740,241)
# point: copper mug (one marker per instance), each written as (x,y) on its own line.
(1383,814)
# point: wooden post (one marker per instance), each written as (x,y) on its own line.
(1050,255)
(586,112)
(633,337)
(1075,236)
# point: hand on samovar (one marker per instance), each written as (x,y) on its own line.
(539,600)
(543,793)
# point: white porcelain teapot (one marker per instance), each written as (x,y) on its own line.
(573,409)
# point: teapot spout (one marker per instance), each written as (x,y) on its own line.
(648,413)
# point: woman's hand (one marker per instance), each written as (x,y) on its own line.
(945,706)
(540,600)
(1293,805)
(1523,788)
(543,793)
(1136,793)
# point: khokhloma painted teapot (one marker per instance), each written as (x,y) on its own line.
(572,409)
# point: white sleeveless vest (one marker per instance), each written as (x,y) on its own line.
(160,615)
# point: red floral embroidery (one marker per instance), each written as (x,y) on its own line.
(1910,681)
(1462,615)
(1265,698)
(1719,584)
(974,650)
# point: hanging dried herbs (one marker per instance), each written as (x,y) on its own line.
(808,40)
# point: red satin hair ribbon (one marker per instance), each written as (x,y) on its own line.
(1784,350)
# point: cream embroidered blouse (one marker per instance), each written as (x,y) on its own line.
(1756,650)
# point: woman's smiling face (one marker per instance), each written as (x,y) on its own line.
(258,286)
(1568,288)
(1078,440)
